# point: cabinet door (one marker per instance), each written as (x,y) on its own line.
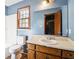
(52,57)
(66,58)
(40,55)
(31,54)
(45,56)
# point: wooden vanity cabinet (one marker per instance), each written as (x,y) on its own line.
(42,52)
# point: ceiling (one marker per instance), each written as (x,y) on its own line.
(11,2)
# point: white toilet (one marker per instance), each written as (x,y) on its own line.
(17,47)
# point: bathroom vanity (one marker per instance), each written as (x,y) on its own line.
(63,49)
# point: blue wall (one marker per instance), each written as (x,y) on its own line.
(37,15)
(71,18)
(64,20)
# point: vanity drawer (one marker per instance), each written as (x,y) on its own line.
(68,54)
(51,51)
(31,46)
(45,56)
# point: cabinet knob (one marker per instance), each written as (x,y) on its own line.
(69,54)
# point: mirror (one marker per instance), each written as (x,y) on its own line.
(53,24)
(52,21)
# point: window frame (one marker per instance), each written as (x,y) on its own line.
(18,18)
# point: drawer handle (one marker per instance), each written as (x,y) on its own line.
(69,54)
(57,50)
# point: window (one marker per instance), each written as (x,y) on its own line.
(23,18)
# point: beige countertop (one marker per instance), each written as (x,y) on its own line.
(62,42)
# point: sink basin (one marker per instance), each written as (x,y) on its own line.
(49,41)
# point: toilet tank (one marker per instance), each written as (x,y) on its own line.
(21,40)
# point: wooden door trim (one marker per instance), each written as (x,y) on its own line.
(58,13)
